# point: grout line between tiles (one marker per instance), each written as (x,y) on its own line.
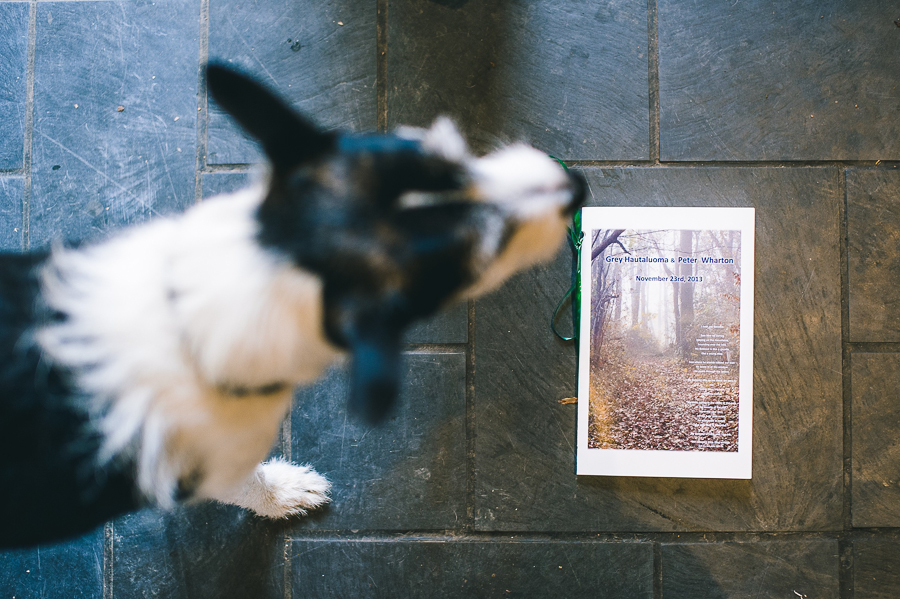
(28,151)
(638,164)
(108,548)
(470,416)
(867,164)
(203,58)
(660,538)
(872,347)
(845,573)
(381,33)
(653,77)
(288,557)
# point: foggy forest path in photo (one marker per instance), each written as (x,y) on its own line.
(651,403)
(665,339)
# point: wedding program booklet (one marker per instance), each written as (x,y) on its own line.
(665,373)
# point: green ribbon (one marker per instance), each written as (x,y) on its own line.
(576,237)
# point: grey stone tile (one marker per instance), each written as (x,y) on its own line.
(72,570)
(876,567)
(408,474)
(216,183)
(876,429)
(569,77)
(407,568)
(95,167)
(763,569)
(14,50)
(805,80)
(319,55)
(12,192)
(525,439)
(205,550)
(873,211)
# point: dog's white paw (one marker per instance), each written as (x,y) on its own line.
(279,489)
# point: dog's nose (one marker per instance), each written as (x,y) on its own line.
(578,185)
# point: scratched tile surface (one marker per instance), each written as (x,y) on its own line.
(763,569)
(13,80)
(219,183)
(205,550)
(319,55)
(12,197)
(873,212)
(114,123)
(876,567)
(804,80)
(70,569)
(876,430)
(569,77)
(472,569)
(406,475)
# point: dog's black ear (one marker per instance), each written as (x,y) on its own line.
(287,138)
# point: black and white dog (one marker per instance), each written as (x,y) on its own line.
(157,366)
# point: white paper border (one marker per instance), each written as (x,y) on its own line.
(665,463)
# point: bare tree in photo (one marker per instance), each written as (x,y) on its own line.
(605,287)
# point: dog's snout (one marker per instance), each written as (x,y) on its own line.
(578,187)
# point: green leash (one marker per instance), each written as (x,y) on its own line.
(576,237)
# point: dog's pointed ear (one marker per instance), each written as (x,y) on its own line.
(287,138)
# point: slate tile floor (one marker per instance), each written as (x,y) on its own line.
(789,107)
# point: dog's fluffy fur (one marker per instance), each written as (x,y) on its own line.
(157,366)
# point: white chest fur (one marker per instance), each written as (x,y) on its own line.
(163,318)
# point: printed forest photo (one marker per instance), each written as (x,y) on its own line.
(664,339)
